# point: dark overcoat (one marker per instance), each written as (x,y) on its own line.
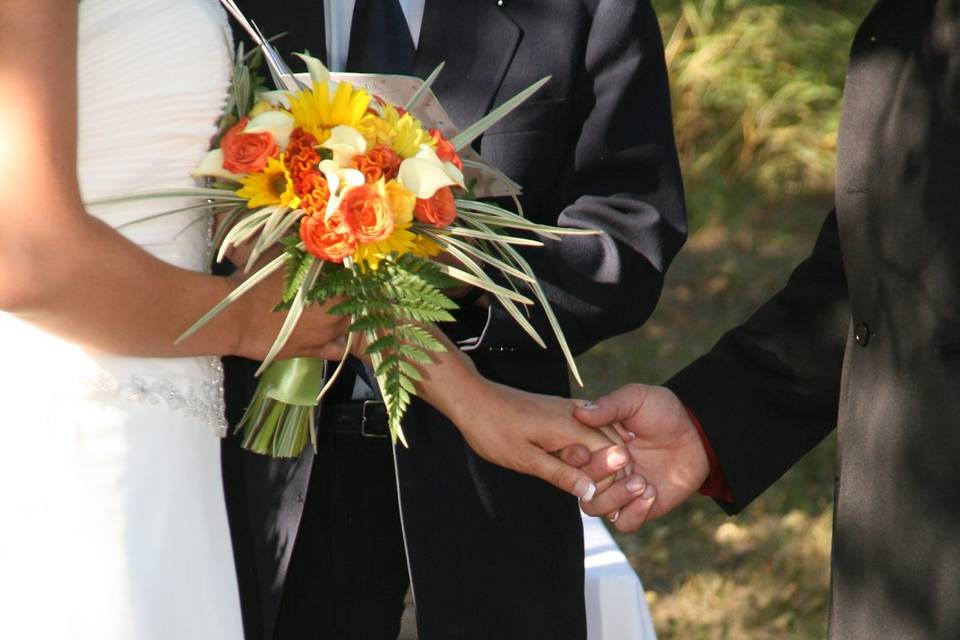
(866,336)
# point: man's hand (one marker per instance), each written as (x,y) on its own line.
(669,461)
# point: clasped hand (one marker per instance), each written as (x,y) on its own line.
(657,462)
(631,456)
(668,459)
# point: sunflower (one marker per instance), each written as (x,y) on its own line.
(424,247)
(271,186)
(316,112)
(401,241)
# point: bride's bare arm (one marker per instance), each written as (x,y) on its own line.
(516,429)
(65,271)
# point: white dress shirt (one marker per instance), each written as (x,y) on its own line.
(338,18)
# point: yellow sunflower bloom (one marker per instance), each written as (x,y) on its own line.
(424,247)
(401,241)
(271,186)
(317,112)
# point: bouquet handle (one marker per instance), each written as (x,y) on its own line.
(280,419)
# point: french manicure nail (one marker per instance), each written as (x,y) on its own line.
(649,493)
(614,516)
(589,405)
(618,458)
(636,484)
(585,489)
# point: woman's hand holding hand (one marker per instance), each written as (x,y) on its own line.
(521,431)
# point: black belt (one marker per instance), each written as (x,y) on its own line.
(364,418)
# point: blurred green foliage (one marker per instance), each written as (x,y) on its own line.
(757,89)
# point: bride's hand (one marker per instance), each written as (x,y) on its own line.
(318,333)
(521,431)
(515,429)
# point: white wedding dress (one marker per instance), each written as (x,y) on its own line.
(113,522)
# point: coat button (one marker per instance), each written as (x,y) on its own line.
(862,334)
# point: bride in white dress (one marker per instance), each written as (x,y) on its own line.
(114,524)
(113,518)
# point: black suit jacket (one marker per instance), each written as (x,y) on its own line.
(866,335)
(495,554)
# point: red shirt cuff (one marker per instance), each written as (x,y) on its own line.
(715,486)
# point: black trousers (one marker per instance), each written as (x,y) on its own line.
(348,574)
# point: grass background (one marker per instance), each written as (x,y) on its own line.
(756,89)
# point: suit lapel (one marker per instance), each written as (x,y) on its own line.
(477,41)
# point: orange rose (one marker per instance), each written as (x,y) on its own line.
(440,210)
(445,150)
(246,152)
(366,214)
(327,239)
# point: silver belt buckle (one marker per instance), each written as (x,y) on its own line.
(363,421)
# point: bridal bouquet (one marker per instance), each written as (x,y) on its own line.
(363,197)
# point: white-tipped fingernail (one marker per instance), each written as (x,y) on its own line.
(618,458)
(649,493)
(589,405)
(636,484)
(613,516)
(585,490)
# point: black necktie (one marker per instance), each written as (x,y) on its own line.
(380,40)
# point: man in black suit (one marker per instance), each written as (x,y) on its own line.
(493,554)
(865,336)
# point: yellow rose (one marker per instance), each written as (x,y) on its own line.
(401,201)
(376,131)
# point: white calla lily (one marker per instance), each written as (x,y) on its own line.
(425,173)
(346,143)
(330,171)
(455,174)
(212,167)
(318,73)
(352,178)
(279,98)
(339,181)
(278,124)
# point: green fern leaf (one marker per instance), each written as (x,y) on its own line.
(370,323)
(389,364)
(297,268)
(415,354)
(419,336)
(383,343)
(409,372)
